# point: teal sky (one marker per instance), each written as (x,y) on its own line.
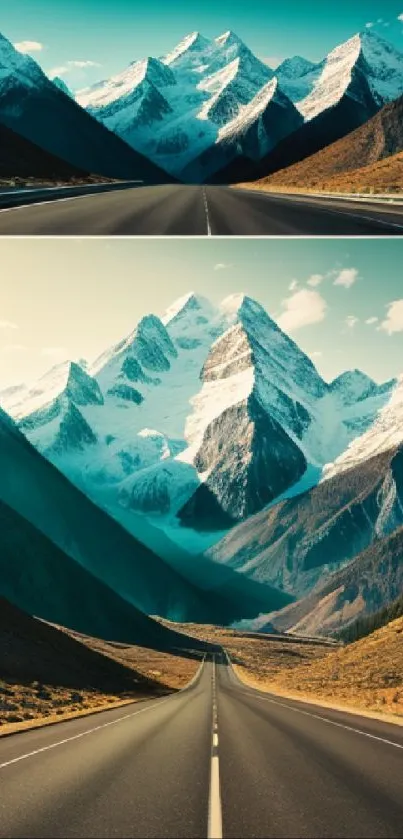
(73,298)
(111,34)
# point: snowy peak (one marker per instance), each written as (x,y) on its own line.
(15,63)
(364,64)
(352,385)
(188,304)
(192,43)
(138,77)
(228,39)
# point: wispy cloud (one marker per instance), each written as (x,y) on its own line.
(316,354)
(303,308)
(347,277)
(293,285)
(315,280)
(371,321)
(29,46)
(222,266)
(351,321)
(369,24)
(69,66)
(400,17)
(7,324)
(394,318)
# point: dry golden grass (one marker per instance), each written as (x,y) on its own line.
(385,176)
(366,676)
(49,673)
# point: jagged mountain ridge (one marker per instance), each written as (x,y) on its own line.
(210,102)
(195,420)
(301,544)
(204,95)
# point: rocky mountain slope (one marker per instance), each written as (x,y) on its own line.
(300,542)
(379,138)
(205,101)
(34,107)
(211,104)
(195,421)
(38,492)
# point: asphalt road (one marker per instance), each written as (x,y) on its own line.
(217,759)
(197,211)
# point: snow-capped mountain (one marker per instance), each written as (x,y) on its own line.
(196,109)
(382,435)
(366,68)
(197,419)
(36,108)
(204,93)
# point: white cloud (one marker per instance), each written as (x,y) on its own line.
(29,46)
(347,277)
(222,266)
(369,24)
(400,17)
(69,66)
(370,321)
(54,352)
(316,354)
(394,318)
(7,324)
(351,321)
(303,308)
(293,285)
(315,280)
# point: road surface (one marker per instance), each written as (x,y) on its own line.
(173,210)
(217,759)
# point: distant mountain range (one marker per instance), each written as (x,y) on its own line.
(250,420)
(210,110)
(208,429)
(210,102)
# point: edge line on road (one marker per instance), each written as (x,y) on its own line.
(157,704)
(256,695)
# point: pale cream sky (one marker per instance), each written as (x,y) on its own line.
(64,298)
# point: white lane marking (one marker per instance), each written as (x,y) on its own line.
(157,704)
(60,200)
(207,212)
(331,722)
(255,695)
(214,830)
(330,210)
(83,734)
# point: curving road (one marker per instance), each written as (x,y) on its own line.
(217,759)
(173,210)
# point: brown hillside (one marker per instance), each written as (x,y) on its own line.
(365,675)
(367,158)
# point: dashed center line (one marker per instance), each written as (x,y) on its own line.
(207,212)
(215,811)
